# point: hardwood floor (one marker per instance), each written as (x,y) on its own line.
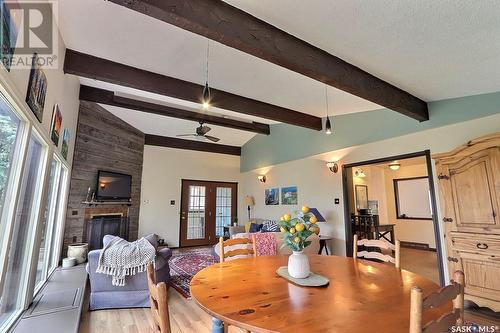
(421,262)
(185,317)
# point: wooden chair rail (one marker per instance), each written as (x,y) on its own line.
(442,296)
(376,255)
(376,243)
(444,323)
(237,241)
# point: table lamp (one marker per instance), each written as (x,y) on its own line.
(249,201)
(318,215)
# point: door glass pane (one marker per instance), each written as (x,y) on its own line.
(15,283)
(48,221)
(196,213)
(222,209)
(9,130)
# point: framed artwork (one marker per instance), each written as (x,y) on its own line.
(272,196)
(10,28)
(37,89)
(55,128)
(361,197)
(289,195)
(65,143)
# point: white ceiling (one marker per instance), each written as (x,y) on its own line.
(433,49)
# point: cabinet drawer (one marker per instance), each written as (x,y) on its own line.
(476,243)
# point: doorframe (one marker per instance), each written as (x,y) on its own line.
(182,202)
(432,189)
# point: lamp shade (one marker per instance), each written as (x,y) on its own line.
(318,215)
(249,201)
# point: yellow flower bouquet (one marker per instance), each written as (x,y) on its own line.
(298,228)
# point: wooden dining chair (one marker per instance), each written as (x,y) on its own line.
(236,241)
(452,293)
(381,245)
(243,251)
(159,302)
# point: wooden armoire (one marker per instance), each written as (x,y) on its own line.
(469,184)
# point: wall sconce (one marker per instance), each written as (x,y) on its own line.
(359,173)
(332,166)
(394,166)
(262,178)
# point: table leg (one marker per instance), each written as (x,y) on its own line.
(326,249)
(217,325)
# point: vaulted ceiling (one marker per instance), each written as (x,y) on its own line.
(431,49)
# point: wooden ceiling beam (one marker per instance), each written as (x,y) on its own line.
(107,97)
(166,141)
(88,66)
(233,27)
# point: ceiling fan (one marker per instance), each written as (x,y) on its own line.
(202,131)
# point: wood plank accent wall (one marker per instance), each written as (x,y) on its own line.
(103,142)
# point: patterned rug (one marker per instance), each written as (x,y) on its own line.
(184,265)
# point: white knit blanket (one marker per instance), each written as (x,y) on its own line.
(120,258)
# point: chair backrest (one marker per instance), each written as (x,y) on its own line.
(236,241)
(159,302)
(380,244)
(452,293)
(362,225)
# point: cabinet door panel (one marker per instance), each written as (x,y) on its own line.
(474,196)
(481,275)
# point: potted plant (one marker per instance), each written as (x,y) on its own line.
(296,230)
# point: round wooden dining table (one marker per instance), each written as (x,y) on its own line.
(362,296)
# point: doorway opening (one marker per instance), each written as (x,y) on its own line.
(207,209)
(394,198)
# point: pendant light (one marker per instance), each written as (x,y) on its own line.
(328,125)
(206,90)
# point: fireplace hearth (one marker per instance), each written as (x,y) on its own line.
(109,224)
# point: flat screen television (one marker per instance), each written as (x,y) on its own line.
(113,186)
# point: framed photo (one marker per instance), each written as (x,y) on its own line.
(272,196)
(65,143)
(9,29)
(289,195)
(55,128)
(37,89)
(361,197)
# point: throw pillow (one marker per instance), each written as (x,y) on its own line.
(254,227)
(270,226)
(247,226)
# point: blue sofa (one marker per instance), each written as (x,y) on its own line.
(135,293)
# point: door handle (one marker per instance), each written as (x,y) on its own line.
(482,246)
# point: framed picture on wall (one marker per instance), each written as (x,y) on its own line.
(37,89)
(272,196)
(289,195)
(65,143)
(361,197)
(55,128)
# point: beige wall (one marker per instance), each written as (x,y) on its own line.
(163,170)
(417,231)
(318,186)
(61,89)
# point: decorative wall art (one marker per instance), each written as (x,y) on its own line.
(55,128)
(37,89)
(272,196)
(289,195)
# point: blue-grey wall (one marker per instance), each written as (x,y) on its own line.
(288,142)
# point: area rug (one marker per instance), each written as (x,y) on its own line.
(184,265)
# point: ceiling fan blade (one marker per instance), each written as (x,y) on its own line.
(186,135)
(212,138)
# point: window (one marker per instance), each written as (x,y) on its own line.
(20,247)
(49,218)
(57,227)
(9,139)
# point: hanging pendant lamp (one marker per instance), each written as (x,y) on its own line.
(206,98)
(328,125)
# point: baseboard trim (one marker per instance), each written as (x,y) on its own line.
(417,246)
